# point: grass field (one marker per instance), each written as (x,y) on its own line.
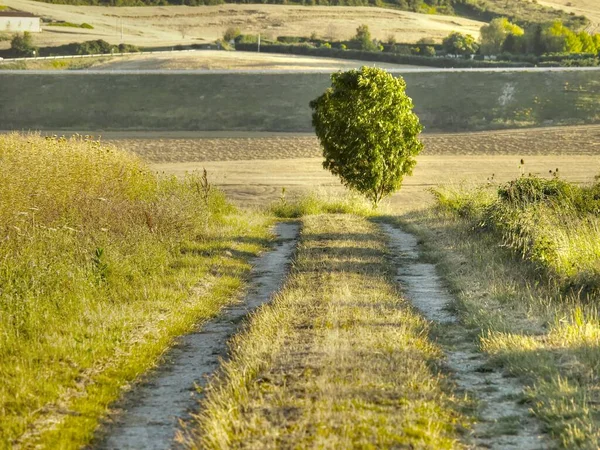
(106,266)
(537,309)
(273,101)
(339,360)
(173,25)
(103,264)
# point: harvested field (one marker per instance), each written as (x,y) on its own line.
(173,25)
(198,147)
(252,168)
(219,60)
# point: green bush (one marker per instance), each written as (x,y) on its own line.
(22,44)
(532,189)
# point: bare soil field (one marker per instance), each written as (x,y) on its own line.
(219,60)
(173,25)
(252,168)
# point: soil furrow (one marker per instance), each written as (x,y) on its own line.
(150,413)
(503,423)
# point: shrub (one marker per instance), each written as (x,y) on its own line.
(368,131)
(22,44)
(363,39)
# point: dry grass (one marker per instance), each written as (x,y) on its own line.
(338,360)
(172,25)
(102,264)
(219,60)
(526,324)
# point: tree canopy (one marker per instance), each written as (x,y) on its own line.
(368,131)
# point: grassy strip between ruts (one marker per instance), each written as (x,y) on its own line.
(338,360)
(102,264)
(549,340)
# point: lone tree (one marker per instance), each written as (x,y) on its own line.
(368,131)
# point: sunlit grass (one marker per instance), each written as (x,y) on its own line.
(525,273)
(337,360)
(102,263)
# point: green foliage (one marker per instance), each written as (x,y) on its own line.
(494,35)
(460,44)
(368,131)
(100,263)
(22,44)
(363,39)
(551,223)
(320,203)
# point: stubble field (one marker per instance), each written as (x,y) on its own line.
(252,168)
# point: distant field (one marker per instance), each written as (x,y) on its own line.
(276,101)
(201,59)
(219,60)
(587,8)
(253,167)
(173,25)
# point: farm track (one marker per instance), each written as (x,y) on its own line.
(149,415)
(503,423)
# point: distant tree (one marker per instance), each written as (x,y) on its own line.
(368,131)
(231,34)
(363,39)
(596,38)
(495,33)
(587,43)
(425,47)
(22,44)
(460,44)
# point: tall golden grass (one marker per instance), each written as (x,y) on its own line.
(100,264)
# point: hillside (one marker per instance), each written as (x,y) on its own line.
(173,25)
(587,8)
(521,11)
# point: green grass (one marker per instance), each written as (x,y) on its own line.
(316,202)
(279,102)
(338,360)
(527,322)
(550,223)
(102,264)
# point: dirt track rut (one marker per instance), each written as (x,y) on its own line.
(503,423)
(152,411)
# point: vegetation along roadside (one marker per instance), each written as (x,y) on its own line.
(534,242)
(103,264)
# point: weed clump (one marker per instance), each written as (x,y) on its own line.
(551,223)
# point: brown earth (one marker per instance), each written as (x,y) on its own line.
(172,25)
(252,168)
